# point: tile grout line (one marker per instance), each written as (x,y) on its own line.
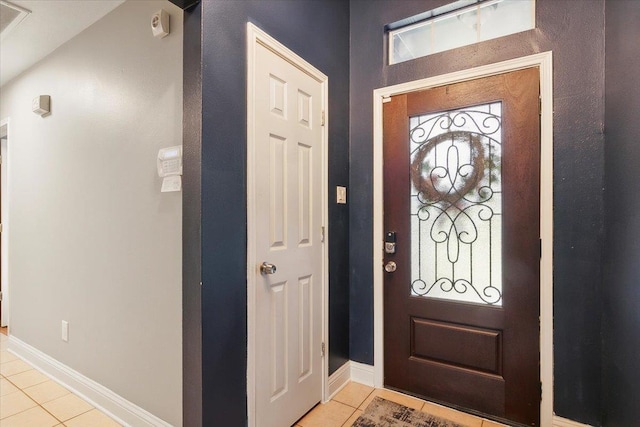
(41,405)
(49,412)
(76,416)
(350,415)
(28,397)
(355,409)
(360,404)
(22,390)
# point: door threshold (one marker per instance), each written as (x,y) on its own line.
(461,409)
(351,401)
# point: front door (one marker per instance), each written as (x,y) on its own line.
(288,275)
(462,254)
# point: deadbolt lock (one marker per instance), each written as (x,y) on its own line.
(390,242)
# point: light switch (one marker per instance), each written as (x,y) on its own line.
(341,195)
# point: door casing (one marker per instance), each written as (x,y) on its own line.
(4,240)
(257,36)
(544,61)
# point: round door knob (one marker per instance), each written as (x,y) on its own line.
(390,267)
(267,268)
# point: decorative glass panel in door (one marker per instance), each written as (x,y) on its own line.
(456,204)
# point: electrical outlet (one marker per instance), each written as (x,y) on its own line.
(341,195)
(65,331)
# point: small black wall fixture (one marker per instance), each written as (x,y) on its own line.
(184,4)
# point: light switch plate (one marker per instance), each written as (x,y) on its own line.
(341,195)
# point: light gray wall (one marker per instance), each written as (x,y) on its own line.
(93,241)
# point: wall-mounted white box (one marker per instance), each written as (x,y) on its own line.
(160,24)
(41,105)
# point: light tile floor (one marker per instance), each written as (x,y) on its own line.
(30,399)
(351,401)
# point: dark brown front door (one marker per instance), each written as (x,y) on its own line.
(462,204)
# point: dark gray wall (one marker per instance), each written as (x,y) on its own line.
(574,31)
(319,32)
(191,219)
(621,285)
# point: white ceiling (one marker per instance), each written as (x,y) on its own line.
(49,25)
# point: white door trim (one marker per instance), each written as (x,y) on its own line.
(545,63)
(4,239)
(255,37)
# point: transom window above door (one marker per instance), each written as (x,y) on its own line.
(458,24)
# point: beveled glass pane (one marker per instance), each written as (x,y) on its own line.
(412,42)
(506,17)
(460,27)
(456,204)
(452,31)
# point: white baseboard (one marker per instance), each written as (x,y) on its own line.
(350,371)
(339,379)
(362,373)
(112,404)
(563,422)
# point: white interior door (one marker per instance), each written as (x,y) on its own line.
(288,207)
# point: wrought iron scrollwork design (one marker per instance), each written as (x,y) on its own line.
(455,174)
